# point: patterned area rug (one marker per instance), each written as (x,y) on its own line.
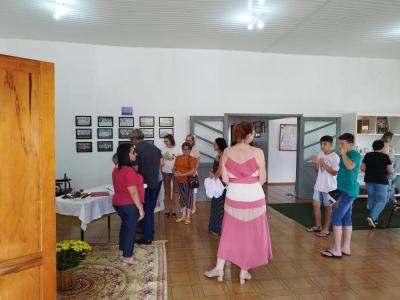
(103,275)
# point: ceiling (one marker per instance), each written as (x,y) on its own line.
(362,28)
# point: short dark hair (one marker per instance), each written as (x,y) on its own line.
(348,137)
(123,155)
(170,138)
(378,145)
(186,145)
(221,143)
(326,138)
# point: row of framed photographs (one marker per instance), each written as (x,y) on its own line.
(102,146)
(123,133)
(103,121)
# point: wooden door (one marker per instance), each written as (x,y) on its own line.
(27,180)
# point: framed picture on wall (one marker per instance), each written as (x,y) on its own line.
(124,142)
(123,133)
(83,133)
(146,121)
(83,121)
(105,121)
(166,121)
(126,122)
(148,133)
(149,141)
(164,131)
(104,146)
(84,147)
(382,125)
(287,137)
(104,133)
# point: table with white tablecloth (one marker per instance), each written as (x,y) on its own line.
(93,208)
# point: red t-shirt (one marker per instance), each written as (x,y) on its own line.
(122,179)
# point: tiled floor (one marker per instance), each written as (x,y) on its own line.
(296,272)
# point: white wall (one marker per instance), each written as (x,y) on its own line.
(98,80)
(281,164)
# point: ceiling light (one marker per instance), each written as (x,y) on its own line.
(250,26)
(261,2)
(260,24)
(59,9)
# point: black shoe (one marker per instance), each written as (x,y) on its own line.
(142,242)
(173,215)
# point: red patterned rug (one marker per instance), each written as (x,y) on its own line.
(103,275)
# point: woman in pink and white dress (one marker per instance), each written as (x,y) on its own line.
(245,239)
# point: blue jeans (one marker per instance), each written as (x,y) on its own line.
(150,201)
(377,198)
(129,215)
(341,216)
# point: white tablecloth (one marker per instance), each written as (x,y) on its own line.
(88,209)
(92,208)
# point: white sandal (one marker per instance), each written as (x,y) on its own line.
(215,273)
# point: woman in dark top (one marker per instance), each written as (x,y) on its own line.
(217,204)
(377,167)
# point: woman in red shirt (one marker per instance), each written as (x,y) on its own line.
(128,199)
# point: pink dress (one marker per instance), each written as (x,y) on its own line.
(245,239)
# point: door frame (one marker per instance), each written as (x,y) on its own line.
(300,147)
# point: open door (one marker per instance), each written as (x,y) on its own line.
(310,130)
(27,180)
(206,129)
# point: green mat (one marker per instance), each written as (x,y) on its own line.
(303,213)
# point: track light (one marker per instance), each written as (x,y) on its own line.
(59,9)
(260,24)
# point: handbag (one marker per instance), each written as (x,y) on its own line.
(193,181)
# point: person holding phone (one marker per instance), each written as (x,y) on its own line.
(128,199)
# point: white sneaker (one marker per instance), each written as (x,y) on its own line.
(371,222)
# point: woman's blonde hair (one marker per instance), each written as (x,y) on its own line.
(387,137)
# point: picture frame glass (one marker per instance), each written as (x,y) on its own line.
(105,121)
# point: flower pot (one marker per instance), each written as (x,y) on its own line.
(65,279)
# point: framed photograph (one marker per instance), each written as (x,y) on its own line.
(105,121)
(288,137)
(84,147)
(149,141)
(146,121)
(259,128)
(165,131)
(83,133)
(166,121)
(83,121)
(382,124)
(104,133)
(127,110)
(123,142)
(148,132)
(123,133)
(104,146)
(126,122)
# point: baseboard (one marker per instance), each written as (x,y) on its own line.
(281,183)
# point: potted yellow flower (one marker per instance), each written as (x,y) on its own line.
(70,254)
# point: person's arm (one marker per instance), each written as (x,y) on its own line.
(348,163)
(136,199)
(363,167)
(390,169)
(327,168)
(261,164)
(224,171)
(315,164)
(162,162)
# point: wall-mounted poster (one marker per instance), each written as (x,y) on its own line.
(126,122)
(83,146)
(123,142)
(166,121)
(127,110)
(123,133)
(104,146)
(83,133)
(83,121)
(105,121)
(259,128)
(165,131)
(146,121)
(104,133)
(382,124)
(149,141)
(148,133)
(288,137)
